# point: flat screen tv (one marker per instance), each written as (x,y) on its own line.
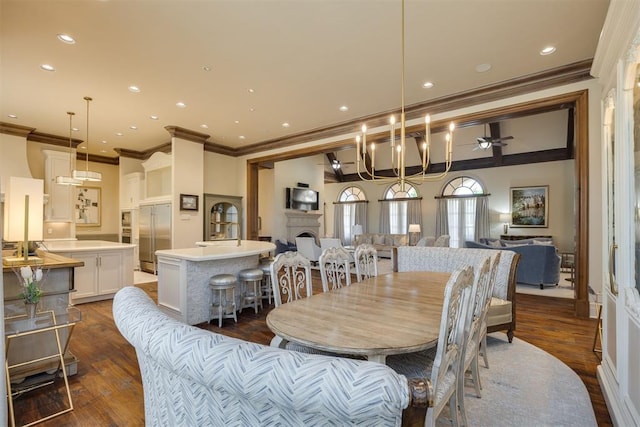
(302,199)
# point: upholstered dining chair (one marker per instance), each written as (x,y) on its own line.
(482,351)
(441,366)
(442,241)
(335,268)
(366,261)
(480,299)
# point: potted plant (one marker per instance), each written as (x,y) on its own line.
(31,291)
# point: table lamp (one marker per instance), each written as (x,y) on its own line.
(505,218)
(414,229)
(23,215)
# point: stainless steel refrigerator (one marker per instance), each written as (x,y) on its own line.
(155,234)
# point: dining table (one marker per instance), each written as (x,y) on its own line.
(393,313)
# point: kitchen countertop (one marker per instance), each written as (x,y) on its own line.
(83,245)
(46,260)
(221,249)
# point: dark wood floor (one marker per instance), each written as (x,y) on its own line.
(107,390)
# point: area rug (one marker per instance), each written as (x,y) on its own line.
(526,386)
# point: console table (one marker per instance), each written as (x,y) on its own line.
(520,236)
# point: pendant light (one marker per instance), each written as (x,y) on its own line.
(87,175)
(69,180)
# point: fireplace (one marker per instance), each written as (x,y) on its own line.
(299,223)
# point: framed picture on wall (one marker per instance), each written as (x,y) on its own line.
(529,206)
(188,202)
(87,206)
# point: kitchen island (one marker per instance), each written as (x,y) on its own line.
(108,266)
(183,274)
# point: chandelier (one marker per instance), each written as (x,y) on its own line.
(69,180)
(87,175)
(398,149)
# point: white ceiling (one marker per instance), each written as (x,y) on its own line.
(303,60)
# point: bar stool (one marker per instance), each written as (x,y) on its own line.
(265,287)
(220,284)
(251,297)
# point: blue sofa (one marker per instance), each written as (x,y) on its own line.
(539,262)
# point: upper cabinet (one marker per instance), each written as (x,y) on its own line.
(132,190)
(60,206)
(157,181)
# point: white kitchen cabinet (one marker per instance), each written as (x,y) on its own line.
(104,271)
(60,205)
(132,190)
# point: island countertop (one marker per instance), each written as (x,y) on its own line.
(216,250)
(83,245)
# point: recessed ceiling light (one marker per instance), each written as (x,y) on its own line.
(206,68)
(75,129)
(134,89)
(154,117)
(47,67)
(84,147)
(66,38)
(133,127)
(103,151)
(237,122)
(427,85)
(344,108)
(483,68)
(119,134)
(203,126)
(242,137)
(285,125)
(181,104)
(548,50)
(12,116)
(250,90)
(252,109)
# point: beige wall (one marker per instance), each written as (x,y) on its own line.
(187,170)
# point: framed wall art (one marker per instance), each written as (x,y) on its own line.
(87,206)
(188,202)
(529,206)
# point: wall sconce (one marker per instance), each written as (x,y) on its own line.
(505,218)
(413,230)
(23,215)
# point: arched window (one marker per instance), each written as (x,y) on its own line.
(352,194)
(400,208)
(463,211)
(350,210)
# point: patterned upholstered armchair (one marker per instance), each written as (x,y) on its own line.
(194,377)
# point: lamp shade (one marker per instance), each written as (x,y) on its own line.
(505,217)
(414,228)
(357,229)
(15,208)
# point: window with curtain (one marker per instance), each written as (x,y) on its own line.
(396,215)
(463,211)
(349,211)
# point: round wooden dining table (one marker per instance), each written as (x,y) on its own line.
(389,314)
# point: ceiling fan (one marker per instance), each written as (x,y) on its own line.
(485,142)
(337,164)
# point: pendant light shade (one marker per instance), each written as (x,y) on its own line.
(69,180)
(87,175)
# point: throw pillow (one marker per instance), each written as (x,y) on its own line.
(379,239)
(494,243)
(543,242)
(513,245)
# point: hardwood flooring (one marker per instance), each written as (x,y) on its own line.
(107,389)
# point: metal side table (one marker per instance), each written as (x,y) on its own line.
(37,344)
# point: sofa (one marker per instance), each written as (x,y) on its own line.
(383,242)
(502,310)
(539,259)
(195,377)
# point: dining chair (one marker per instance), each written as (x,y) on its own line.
(335,268)
(290,277)
(441,366)
(306,246)
(482,351)
(479,306)
(366,261)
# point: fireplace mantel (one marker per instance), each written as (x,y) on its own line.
(299,222)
